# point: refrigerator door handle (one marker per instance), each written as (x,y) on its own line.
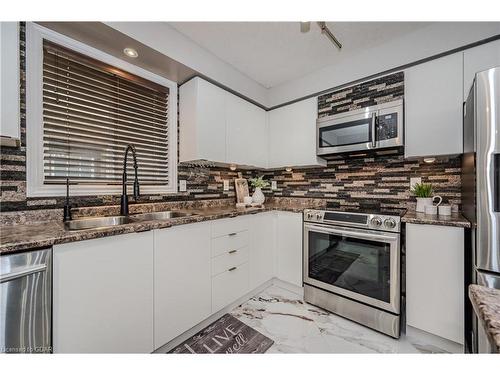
(496,182)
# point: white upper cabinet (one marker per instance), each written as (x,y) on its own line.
(9,79)
(246,133)
(433,107)
(478,59)
(202,119)
(218,126)
(292,135)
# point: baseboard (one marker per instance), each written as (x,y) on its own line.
(288,286)
(212,318)
(416,334)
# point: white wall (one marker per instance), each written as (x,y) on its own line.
(422,43)
(165,39)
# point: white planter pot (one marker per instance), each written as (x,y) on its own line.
(422,202)
(258,196)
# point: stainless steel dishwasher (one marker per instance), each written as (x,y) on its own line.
(26,302)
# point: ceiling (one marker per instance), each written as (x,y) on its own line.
(272,53)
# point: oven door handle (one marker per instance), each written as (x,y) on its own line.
(353,233)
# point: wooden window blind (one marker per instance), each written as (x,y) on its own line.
(91,112)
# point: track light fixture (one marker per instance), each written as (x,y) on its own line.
(305,27)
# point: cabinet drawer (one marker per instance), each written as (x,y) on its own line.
(228,286)
(233,241)
(227,226)
(228,260)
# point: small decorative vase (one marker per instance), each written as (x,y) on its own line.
(422,202)
(258,196)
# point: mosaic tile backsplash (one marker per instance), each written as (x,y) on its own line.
(376,91)
(353,180)
(380,180)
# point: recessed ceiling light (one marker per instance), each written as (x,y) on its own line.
(288,169)
(232,167)
(130,52)
(429,160)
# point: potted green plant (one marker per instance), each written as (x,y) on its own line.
(258,183)
(424,192)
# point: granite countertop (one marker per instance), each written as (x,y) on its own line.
(486,303)
(455,220)
(14,238)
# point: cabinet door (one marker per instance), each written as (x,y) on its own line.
(289,247)
(433,107)
(262,247)
(292,135)
(246,133)
(202,122)
(478,59)
(211,119)
(9,79)
(182,279)
(103,295)
(229,285)
(435,280)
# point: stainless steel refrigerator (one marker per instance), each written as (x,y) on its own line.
(481,186)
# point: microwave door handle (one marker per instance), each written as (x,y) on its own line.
(374,133)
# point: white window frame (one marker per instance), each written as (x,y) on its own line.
(35,34)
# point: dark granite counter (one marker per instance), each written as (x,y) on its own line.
(21,237)
(455,220)
(486,303)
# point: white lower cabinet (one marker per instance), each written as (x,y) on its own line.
(263,244)
(230,255)
(289,247)
(435,280)
(229,285)
(182,278)
(103,295)
(136,292)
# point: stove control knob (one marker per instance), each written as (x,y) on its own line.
(318,216)
(390,223)
(309,215)
(376,221)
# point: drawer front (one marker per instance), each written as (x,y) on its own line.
(233,241)
(229,259)
(228,286)
(224,227)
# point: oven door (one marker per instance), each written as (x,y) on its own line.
(362,265)
(346,134)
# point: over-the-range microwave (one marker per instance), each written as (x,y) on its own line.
(371,128)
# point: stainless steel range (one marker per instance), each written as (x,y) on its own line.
(352,266)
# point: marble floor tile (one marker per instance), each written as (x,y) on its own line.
(297,327)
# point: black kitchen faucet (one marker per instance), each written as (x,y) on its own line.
(124,198)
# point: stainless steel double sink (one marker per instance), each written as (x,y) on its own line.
(111,221)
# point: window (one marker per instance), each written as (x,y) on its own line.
(90,107)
